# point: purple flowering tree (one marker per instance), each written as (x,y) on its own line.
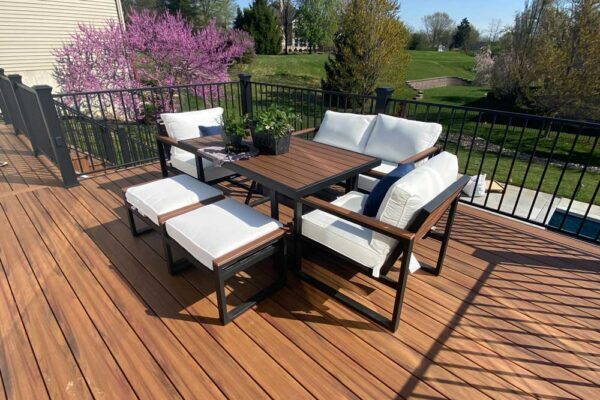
(153,50)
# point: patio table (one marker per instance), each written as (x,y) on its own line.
(306,169)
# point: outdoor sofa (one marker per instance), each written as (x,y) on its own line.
(391,139)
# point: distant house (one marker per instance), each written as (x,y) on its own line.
(31,29)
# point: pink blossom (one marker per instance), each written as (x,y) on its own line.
(153,50)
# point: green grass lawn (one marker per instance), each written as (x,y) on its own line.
(429,64)
(309,68)
(455,95)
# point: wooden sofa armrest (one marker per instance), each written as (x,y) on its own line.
(241,252)
(306,131)
(422,155)
(363,220)
(417,157)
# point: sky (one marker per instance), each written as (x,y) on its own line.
(478,12)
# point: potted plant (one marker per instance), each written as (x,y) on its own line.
(234,130)
(272,129)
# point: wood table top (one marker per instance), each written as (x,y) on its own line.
(305,169)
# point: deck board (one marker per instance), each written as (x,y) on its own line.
(88,311)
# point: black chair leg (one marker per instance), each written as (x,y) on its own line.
(446,238)
(132,227)
(395,322)
(221,298)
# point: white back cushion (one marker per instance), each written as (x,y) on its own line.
(186,125)
(345,130)
(407,196)
(395,139)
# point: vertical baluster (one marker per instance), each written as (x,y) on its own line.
(535,196)
(587,213)
(485,149)
(506,130)
(473,141)
(583,172)
(537,139)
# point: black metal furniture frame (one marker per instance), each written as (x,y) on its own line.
(268,246)
(421,227)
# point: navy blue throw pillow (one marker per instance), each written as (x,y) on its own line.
(381,188)
(210,130)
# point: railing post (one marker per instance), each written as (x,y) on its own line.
(55,135)
(246,93)
(3,104)
(384,94)
(18,119)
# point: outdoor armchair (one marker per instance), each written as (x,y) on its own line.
(412,206)
(187,125)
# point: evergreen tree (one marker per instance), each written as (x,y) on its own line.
(369,48)
(260,21)
(462,36)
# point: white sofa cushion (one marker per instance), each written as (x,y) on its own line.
(345,237)
(186,125)
(157,198)
(345,130)
(407,196)
(367,183)
(214,230)
(186,163)
(395,139)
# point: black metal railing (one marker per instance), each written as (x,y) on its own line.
(548,168)
(542,170)
(31,112)
(117,128)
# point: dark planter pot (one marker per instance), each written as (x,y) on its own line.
(236,141)
(267,144)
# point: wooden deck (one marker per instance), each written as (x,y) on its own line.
(88,311)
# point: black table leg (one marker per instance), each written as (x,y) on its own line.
(274,204)
(297,237)
(200,169)
(351,184)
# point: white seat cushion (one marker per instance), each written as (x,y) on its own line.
(409,194)
(214,230)
(186,125)
(395,139)
(186,162)
(367,183)
(345,237)
(345,130)
(159,197)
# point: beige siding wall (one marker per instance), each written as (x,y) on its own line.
(30,29)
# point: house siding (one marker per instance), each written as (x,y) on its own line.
(31,29)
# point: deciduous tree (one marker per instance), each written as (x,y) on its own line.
(316,21)
(369,48)
(438,27)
